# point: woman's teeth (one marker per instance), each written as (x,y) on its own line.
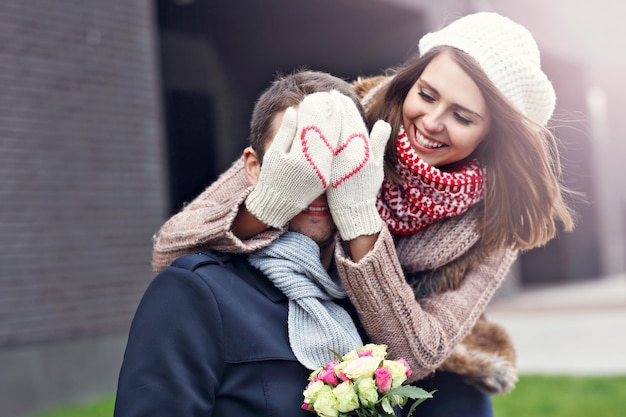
(427,143)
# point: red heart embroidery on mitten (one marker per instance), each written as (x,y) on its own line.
(353,164)
(306,138)
(348,162)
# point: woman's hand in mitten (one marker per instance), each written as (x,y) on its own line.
(357,173)
(296,167)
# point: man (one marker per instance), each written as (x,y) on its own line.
(238,335)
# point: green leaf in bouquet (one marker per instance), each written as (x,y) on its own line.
(337,355)
(395,399)
(410,391)
(423,396)
(365,412)
(386,405)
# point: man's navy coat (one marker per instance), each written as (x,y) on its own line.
(210,341)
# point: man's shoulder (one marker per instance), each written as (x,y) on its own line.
(227,272)
(197,260)
(211,267)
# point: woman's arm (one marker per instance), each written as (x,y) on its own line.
(361,246)
(423,332)
(215,220)
(246,224)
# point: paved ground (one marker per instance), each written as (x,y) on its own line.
(568,329)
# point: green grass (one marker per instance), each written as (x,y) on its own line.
(98,408)
(534,396)
(561,396)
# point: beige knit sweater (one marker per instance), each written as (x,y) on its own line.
(424,332)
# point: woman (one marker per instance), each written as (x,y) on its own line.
(470,113)
(472,177)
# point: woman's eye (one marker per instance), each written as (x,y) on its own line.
(461,119)
(426,96)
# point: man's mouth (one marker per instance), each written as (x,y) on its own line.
(317,208)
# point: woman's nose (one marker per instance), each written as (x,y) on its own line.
(433,121)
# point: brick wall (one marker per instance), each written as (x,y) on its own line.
(82,177)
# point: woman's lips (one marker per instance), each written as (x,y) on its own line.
(421,142)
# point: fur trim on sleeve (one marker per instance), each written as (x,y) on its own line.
(363,85)
(485,359)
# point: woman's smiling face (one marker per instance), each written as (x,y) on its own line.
(444,114)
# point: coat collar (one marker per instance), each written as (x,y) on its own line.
(257,279)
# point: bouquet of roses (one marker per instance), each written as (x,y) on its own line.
(362,383)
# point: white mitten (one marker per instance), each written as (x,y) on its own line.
(357,173)
(296,167)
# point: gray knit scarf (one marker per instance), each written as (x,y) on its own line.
(317,325)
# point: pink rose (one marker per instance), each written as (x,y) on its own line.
(330,366)
(406,365)
(383,379)
(306,407)
(365,352)
(328,376)
(343,376)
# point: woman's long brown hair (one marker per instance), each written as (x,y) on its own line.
(524,199)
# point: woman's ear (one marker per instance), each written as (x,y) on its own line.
(251,165)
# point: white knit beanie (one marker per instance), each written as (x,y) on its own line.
(508,54)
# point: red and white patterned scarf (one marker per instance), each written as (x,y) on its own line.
(427,194)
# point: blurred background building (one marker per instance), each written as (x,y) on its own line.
(114,114)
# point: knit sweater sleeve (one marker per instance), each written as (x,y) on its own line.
(206,222)
(423,332)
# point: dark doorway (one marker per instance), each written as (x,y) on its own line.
(217,56)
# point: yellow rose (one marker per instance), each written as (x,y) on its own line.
(325,405)
(346,396)
(361,367)
(353,354)
(312,391)
(378,351)
(367,391)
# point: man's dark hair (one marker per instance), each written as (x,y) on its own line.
(290,90)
